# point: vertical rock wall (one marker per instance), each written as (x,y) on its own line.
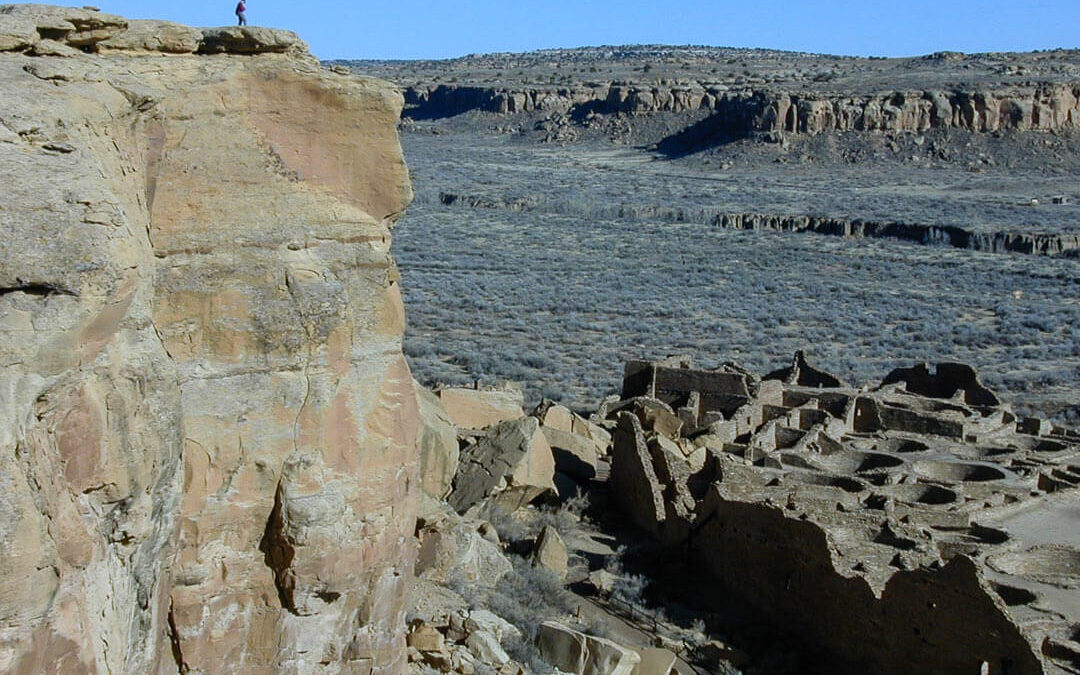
(208,451)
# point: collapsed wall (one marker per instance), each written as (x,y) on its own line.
(918,526)
(209,442)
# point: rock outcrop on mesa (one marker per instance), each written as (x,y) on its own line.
(916,526)
(747,92)
(210,441)
(743,112)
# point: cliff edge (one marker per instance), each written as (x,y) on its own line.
(208,448)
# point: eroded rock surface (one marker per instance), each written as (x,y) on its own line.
(210,438)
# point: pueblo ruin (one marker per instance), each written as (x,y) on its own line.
(916,526)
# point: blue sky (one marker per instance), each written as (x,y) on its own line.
(406,29)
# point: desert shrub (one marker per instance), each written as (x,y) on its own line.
(525,524)
(528,596)
(524,651)
(629,588)
(510,527)
(560,295)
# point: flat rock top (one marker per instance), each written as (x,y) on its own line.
(23,27)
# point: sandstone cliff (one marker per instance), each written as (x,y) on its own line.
(741,111)
(209,443)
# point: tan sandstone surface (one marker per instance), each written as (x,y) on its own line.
(209,449)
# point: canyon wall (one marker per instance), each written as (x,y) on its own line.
(209,452)
(954,236)
(745,111)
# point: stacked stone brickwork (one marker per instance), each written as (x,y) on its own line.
(918,526)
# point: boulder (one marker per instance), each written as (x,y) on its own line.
(249,40)
(16,33)
(654,414)
(512,464)
(425,637)
(438,446)
(155,36)
(562,647)
(655,661)
(555,416)
(576,456)
(483,620)
(71,25)
(660,419)
(572,651)
(603,580)
(453,550)
(481,408)
(608,658)
(550,552)
(432,601)
(486,648)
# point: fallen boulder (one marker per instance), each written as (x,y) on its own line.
(572,651)
(481,408)
(483,620)
(453,549)
(550,552)
(486,647)
(576,456)
(555,416)
(512,464)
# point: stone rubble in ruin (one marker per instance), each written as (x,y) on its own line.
(921,507)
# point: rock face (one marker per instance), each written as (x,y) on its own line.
(921,512)
(744,111)
(438,446)
(210,443)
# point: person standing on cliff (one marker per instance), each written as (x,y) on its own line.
(241,13)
